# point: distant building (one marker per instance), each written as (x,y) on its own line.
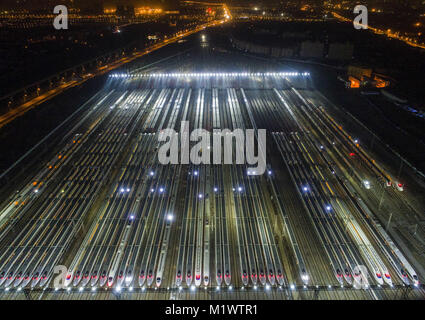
(359,72)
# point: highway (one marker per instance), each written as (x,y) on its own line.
(126,225)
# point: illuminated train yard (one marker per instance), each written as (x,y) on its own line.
(124,224)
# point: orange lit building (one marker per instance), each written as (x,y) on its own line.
(354,82)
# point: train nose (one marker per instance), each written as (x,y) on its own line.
(387,278)
(227,277)
(339,276)
(103,278)
(26,279)
(150,277)
(2,277)
(35,279)
(10,279)
(254,277)
(279,277)
(86,278)
(44,278)
(405,277)
(129,278)
(347,276)
(18,279)
(141,278)
(94,278)
(110,281)
(244,278)
(77,278)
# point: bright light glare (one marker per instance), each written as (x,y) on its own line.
(211,74)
